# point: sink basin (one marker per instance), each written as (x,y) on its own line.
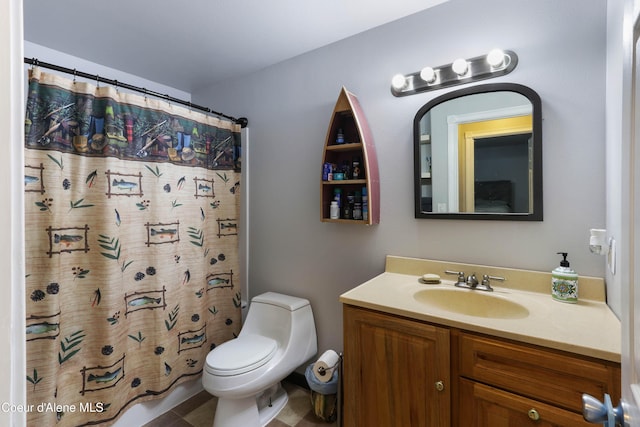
(471,303)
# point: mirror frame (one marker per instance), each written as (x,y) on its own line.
(534,98)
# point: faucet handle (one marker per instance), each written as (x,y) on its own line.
(461,282)
(487,278)
(460,275)
(486,282)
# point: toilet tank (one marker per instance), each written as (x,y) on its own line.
(280,300)
(281,317)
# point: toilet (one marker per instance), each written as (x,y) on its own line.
(278,336)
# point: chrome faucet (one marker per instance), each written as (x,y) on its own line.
(471,281)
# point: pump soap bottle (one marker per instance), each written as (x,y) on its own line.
(564,282)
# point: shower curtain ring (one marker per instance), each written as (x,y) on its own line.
(74,76)
(97,81)
(116,82)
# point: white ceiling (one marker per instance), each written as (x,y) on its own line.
(190,44)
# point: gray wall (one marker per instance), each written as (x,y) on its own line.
(561,48)
(46,54)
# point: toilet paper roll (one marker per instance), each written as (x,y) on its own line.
(325,365)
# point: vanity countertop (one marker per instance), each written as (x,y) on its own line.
(588,328)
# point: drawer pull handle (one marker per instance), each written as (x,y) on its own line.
(439,385)
(533,414)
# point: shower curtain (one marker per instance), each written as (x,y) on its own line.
(132,264)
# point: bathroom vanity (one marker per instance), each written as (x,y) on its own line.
(414,355)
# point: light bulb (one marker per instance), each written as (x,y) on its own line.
(460,67)
(495,58)
(398,81)
(428,74)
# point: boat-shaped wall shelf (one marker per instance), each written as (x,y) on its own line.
(349,166)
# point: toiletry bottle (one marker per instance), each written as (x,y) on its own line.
(346,169)
(365,204)
(564,282)
(355,168)
(357,206)
(326,172)
(337,196)
(334,210)
(347,206)
(340,137)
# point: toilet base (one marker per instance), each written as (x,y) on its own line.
(278,400)
(244,412)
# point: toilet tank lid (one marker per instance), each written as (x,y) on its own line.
(285,301)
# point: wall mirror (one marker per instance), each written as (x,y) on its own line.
(478,154)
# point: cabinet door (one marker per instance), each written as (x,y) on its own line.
(396,371)
(484,406)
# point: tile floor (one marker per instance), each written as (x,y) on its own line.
(198,412)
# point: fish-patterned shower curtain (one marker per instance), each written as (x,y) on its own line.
(132,263)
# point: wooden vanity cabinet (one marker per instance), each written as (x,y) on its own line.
(403,372)
(396,371)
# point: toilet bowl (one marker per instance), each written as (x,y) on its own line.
(278,336)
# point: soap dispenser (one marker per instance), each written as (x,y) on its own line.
(564,282)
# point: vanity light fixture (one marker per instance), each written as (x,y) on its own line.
(429,75)
(496,63)
(399,82)
(496,58)
(460,66)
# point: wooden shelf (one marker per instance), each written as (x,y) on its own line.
(348,117)
(344,147)
(345,221)
(344,182)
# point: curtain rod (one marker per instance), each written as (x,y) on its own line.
(242,121)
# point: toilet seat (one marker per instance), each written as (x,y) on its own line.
(241,355)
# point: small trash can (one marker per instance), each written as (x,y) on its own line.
(324,396)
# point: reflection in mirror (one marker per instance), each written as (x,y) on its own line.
(478,154)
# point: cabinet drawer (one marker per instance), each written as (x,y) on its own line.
(485,406)
(549,376)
